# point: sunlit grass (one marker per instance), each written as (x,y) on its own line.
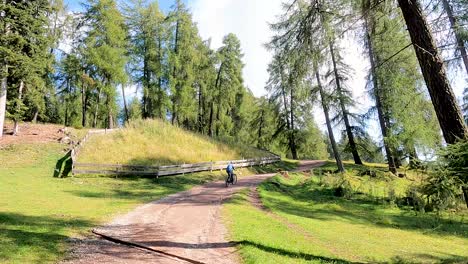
(308,224)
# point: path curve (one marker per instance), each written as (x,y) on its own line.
(181,228)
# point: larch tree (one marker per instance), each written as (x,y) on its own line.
(149,39)
(181,65)
(22,48)
(434,72)
(105,44)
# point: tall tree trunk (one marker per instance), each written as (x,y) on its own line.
(260,126)
(174,75)
(96,109)
(210,124)
(83,105)
(3,98)
(434,72)
(200,109)
(20,98)
(110,116)
(339,163)
(349,132)
(36,114)
(455,26)
(146,81)
(292,137)
(218,110)
(3,85)
(218,99)
(125,104)
(285,101)
(378,100)
(160,105)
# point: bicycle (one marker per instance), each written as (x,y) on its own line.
(231,181)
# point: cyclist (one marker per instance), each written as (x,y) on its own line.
(230,170)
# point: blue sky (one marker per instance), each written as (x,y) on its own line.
(75,5)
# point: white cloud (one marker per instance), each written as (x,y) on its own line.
(248,19)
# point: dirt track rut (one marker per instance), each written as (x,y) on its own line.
(182,228)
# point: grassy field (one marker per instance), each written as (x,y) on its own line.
(40,213)
(153,142)
(304,222)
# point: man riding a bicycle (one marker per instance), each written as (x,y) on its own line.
(230,170)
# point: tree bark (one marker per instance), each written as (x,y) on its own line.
(378,101)
(349,132)
(20,97)
(3,85)
(292,137)
(83,105)
(125,104)
(454,25)
(174,75)
(200,110)
(3,98)
(146,81)
(210,124)
(259,134)
(96,109)
(218,98)
(339,163)
(434,72)
(36,113)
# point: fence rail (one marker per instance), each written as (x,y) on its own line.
(159,171)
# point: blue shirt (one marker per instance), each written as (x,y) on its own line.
(229,168)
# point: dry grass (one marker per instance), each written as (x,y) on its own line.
(153,142)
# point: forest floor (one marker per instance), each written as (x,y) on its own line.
(34,133)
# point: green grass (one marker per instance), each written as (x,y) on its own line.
(308,224)
(40,213)
(153,142)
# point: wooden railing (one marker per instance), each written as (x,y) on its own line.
(159,171)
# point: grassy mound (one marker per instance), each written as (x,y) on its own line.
(153,142)
(306,222)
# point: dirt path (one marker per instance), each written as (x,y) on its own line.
(182,228)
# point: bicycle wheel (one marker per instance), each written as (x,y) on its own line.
(234,179)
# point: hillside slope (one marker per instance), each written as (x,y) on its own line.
(153,142)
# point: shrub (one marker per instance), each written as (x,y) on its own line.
(450,178)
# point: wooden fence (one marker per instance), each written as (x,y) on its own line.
(159,171)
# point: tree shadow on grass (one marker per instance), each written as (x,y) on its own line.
(360,209)
(292,254)
(42,236)
(447,259)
